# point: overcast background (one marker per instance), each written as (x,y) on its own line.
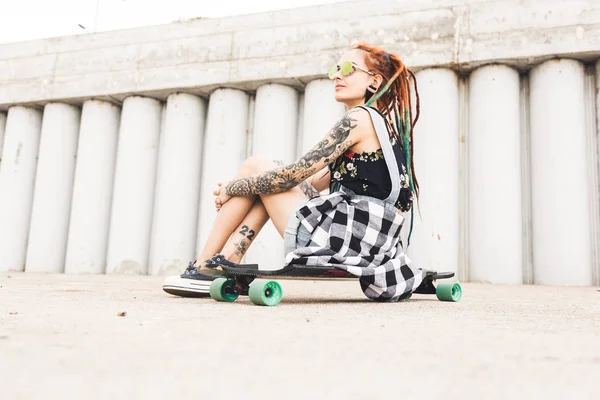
(35,19)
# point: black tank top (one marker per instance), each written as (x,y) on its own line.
(367,174)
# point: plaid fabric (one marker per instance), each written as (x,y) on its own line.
(360,235)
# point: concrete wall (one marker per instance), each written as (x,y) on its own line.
(156,116)
(294,46)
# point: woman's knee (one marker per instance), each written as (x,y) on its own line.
(256,165)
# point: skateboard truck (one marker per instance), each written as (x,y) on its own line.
(444,291)
(242,283)
(426,287)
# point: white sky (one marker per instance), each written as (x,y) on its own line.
(34,19)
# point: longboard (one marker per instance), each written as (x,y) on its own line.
(234,280)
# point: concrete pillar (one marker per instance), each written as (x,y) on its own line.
(494,176)
(53,189)
(321,112)
(274,137)
(177,185)
(275,122)
(560,178)
(17,176)
(93,188)
(224,150)
(135,178)
(435,240)
(2,129)
(300,127)
(594,152)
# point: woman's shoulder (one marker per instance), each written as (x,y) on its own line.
(359,112)
(360,119)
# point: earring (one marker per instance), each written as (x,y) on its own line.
(372,88)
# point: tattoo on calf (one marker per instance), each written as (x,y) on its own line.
(284,178)
(241,247)
(246,231)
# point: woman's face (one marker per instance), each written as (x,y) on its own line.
(350,89)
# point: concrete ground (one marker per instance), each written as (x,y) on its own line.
(61,337)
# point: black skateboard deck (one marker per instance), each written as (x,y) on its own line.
(230,270)
(234,280)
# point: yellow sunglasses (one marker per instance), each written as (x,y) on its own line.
(346,69)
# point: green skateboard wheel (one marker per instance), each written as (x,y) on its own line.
(448,291)
(265,293)
(223,289)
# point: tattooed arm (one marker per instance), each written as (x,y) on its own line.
(306,186)
(345,133)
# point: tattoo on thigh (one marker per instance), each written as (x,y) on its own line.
(246,231)
(308,190)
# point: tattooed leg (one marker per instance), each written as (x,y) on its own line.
(225,223)
(246,233)
(308,189)
(233,212)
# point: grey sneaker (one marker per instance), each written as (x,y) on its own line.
(191,283)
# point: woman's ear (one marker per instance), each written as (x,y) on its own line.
(377,81)
(374,87)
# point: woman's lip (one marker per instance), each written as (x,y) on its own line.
(339,86)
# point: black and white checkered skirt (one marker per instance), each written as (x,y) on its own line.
(358,234)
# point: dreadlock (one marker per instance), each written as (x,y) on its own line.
(394,102)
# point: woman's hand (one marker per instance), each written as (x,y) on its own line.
(220,196)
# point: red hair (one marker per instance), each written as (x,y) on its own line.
(394,99)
